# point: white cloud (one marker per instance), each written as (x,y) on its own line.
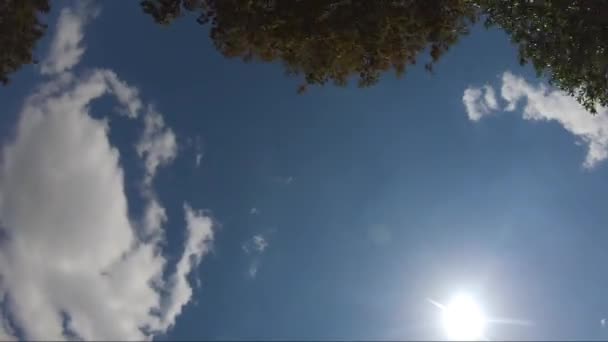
(126,95)
(259,243)
(198,244)
(70,242)
(198,150)
(542,103)
(158,145)
(255,246)
(197,159)
(490,98)
(252,271)
(71,261)
(479,102)
(66,50)
(154,218)
(254,211)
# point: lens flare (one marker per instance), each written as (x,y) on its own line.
(463,319)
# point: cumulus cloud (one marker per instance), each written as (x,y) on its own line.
(554,105)
(70,242)
(255,246)
(479,101)
(541,103)
(66,50)
(158,145)
(71,262)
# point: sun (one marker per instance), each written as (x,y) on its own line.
(463,319)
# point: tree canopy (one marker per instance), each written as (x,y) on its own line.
(566,40)
(331,40)
(323,41)
(328,40)
(20,29)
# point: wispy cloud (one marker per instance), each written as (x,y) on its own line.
(254,265)
(66,46)
(198,149)
(197,159)
(255,246)
(72,263)
(128,96)
(479,101)
(198,244)
(545,104)
(286,180)
(158,145)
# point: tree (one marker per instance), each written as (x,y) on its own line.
(335,40)
(20,29)
(566,40)
(328,40)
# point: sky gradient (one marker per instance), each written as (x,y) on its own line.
(152,189)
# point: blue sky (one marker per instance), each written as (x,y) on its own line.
(151,188)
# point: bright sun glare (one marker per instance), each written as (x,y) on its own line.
(463,319)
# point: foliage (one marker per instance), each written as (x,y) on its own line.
(335,40)
(567,40)
(328,40)
(20,29)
